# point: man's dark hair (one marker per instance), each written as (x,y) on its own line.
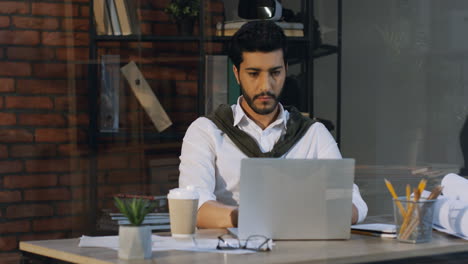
(261,35)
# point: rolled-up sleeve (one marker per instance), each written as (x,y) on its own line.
(197,160)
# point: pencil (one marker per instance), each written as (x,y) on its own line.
(422,185)
(408,194)
(394,195)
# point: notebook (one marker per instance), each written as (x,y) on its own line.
(295,199)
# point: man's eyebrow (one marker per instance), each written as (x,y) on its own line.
(258,69)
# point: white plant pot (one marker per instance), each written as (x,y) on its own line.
(135,242)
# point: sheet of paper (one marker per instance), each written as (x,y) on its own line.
(376,227)
(164,243)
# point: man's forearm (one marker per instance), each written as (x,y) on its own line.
(213,214)
(355,216)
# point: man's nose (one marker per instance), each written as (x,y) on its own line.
(265,83)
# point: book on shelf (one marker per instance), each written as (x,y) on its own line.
(101,18)
(229,28)
(132,15)
(146,96)
(114,18)
(123,16)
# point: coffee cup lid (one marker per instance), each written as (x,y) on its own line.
(183,193)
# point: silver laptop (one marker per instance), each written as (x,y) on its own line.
(295,198)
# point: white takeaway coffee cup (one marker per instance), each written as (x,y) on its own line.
(183,207)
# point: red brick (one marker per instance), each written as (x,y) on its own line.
(75,24)
(58,70)
(3,151)
(19,37)
(215,6)
(113,162)
(36,150)
(72,150)
(27,102)
(72,54)
(15,135)
(70,208)
(30,181)
(8,243)
(10,197)
(11,7)
(84,11)
(10,166)
(78,119)
(7,119)
(7,85)
(41,120)
(10,258)
(107,191)
(47,195)
(186,88)
(28,53)
(133,188)
(1,102)
(40,236)
(15,226)
(59,135)
(57,165)
(74,179)
(70,103)
(64,223)
(47,87)
(29,210)
(80,193)
(9,69)
(125,176)
(52,9)
(163,73)
(4,21)
(165,30)
(160,3)
(65,38)
(35,23)
(153,15)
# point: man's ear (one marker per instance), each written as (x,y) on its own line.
(236,73)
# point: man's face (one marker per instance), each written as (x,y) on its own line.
(261,78)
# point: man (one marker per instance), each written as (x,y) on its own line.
(257,126)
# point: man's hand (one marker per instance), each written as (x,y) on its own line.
(355,216)
(213,214)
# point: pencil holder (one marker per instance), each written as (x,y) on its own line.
(413,219)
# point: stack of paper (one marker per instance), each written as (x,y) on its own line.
(451,209)
(379,230)
(157,221)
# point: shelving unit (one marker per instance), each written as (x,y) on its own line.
(306,61)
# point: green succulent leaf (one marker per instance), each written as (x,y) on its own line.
(134,209)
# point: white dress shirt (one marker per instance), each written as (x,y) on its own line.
(210,161)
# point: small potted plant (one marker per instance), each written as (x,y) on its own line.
(184,13)
(135,238)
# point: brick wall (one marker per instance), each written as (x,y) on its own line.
(44,155)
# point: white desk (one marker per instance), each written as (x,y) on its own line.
(359,249)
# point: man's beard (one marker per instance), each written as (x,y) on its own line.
(261,111)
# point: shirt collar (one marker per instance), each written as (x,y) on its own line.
(240,115)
